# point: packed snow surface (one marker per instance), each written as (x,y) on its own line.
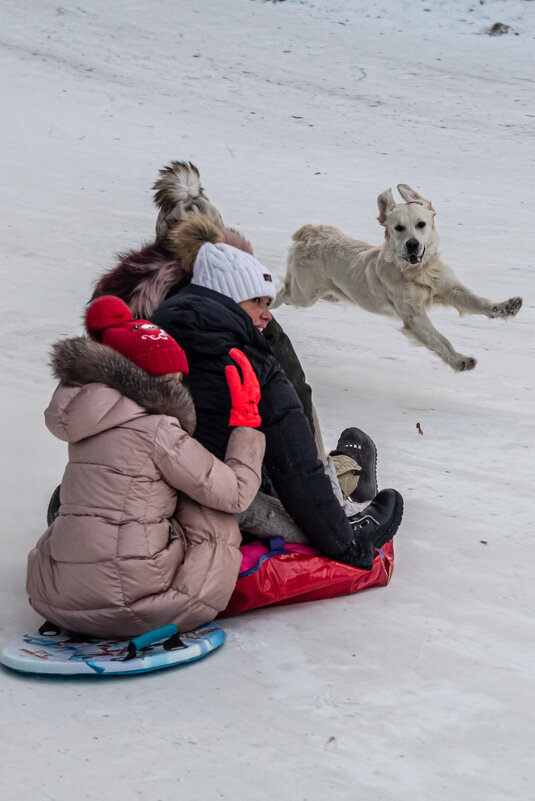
(294,112)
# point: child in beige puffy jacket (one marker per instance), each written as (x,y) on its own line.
(146,533)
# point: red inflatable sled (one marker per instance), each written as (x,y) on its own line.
(286,573)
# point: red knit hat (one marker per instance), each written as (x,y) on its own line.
(109,320)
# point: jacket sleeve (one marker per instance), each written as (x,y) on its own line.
(186,465)
(284,352)
(297,475)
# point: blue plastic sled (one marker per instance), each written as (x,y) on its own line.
(55,652)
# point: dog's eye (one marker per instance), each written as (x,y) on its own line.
(420,224)
(399,227)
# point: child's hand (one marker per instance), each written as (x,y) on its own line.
(245,396)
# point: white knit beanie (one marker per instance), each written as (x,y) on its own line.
(234,273)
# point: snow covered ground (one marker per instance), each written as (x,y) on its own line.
(294,112)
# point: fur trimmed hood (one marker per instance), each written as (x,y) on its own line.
(144,278)
(79,361)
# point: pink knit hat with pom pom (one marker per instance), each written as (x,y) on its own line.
(109,320)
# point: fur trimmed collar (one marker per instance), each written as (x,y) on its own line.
(80,361)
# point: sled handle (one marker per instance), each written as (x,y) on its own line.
(162,633)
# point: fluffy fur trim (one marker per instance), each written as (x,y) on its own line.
(80,360)
(178,194)
(142,279)
(186,239)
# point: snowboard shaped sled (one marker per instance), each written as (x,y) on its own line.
(56,652)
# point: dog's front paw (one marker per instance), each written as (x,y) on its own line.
(463,363)
(508,308)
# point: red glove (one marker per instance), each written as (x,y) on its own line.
(246,395)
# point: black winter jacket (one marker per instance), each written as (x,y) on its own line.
(207,325)
(284,352)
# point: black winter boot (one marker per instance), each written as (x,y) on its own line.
(359,446)
(372,528)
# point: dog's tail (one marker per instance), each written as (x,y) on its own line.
(178,194)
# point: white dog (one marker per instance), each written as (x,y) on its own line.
(404,277)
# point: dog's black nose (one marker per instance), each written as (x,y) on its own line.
(412,246)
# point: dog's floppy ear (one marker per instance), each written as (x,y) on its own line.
(410,195)
(385,201)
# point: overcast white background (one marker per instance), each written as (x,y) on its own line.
(294,112)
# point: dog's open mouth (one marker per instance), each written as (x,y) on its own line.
(414,258)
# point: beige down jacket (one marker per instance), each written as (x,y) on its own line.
(119,560)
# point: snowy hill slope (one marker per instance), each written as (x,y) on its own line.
(294,112)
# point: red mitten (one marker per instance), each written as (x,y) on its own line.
(244,396)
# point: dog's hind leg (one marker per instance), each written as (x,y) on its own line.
(297,293)
(295,296)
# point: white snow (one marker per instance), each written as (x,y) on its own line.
(294,112)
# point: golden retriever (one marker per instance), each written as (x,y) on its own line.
(403,277)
